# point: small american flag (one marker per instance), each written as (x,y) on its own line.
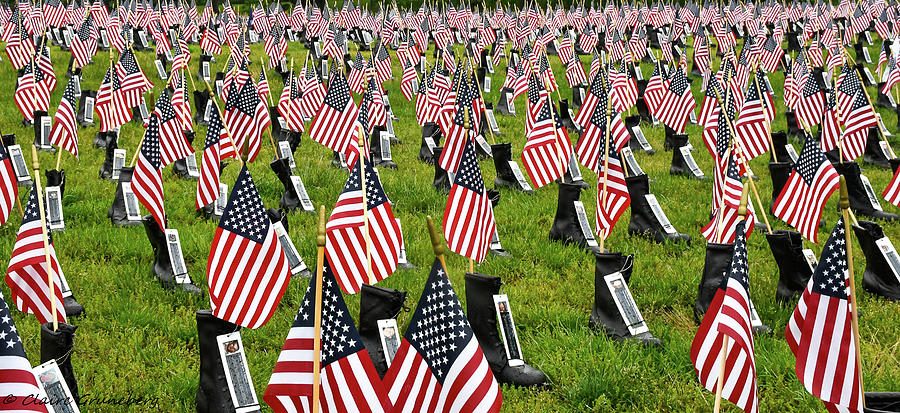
(439,366)
(26,275)
(290,105)
(246,117)
(313,92)
(811,183)
(383,63)
(345,247)
(847,84)
(19,48)
(772,53)
(406,81)
(729,317)
(752,126)
(812,101)
(216,148)
(613,202)
(84,45)
(16,379)
(709,113)
(133,81)
(110,104)
(180,102)
(831,129)
(333,125)
(65,132)
(677,103)
(147,180)
(819,332)
(262,86)
(593,141)
(357,75)
(173,145)
(856,127)
(9,188)
(247,271)
(469,215)
(459,133)
(210,44)
(656,89)
(276,45)
(31,93)
(349,381)
(547,151)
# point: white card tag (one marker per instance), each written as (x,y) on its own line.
(89,110)
(204,70)
(868,37)
(45,124)
(495,241)
(574,170)
(429,142)
(237,374)
(490,64)
(890,255)
(884,149)
(693,117)
(865,52)
(628,309)
(870,192)
(281,122)
(659,214)
(53,389)
(642,140)
(401,256)
(519,177)
(208,112)
(219,86)
(103,39)
(143,110)
(754,316)
(584,224)
(253,37)
(487,84)
(343,161)
(479,139)
(768,85)
(77,80)
(54,209)
(811,259)
(143,37)
(868,73)
(891,100)
(132,210)
(510,104)
(169,56)
(389,125)
(884,130)
(19,165)
(290,251)
(191,162)
(508,330)
(176,258)
(689,160)
(633,167)
(222,200)
(792,153)
(390,338)
(305,202)
(650,53)
(384,146)
(284,152)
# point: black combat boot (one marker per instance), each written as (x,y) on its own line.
(106,169)
(434,132)
(779,149)
(605,315)
(874,154)
(878,278)
(179,167)
(290,200)
(58,345)
(632,122)
(718,261)
(792,126)
(377,303)
(441,179)
(564,117)
(162,264)
(503,105)
(480,291)
(201,99)
(643,221)
(505,176)
(116,213)
(376,150)
(859,200)
(57,178)
(679,165)
(565,224)
(793,270)
(780,172)
(213,395)
(883,100)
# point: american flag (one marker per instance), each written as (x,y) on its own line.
(469,215)
(262,86)
(727,188)
(382,63)
(147,180)
(180,53)
(313,92)
(26,275)
(811,183)
(133,81)
(64,132)
(357,74)
(709,114)
(893,76)
(890,194)
(180,102)
(333,125)
(9,188)
(848,84)
(575,72)
(439,366)
(831,129)
(624,88)
(31,93)
(772,53)
(45,67)
(812,101)
(276,45)
(172,142)
(19,48)
(216,148)
(656,89)
(210,43)
(860,118)
(819,332)
(422,97)
(593,141)
(459,132)
(752,125)
(161,38)
(677,103)
(16,379)
(289,105)
(345,247)
(614,199)
(728,318)
(547,151)
(110,105)
(406,81)
(84,45)
(349,381)
(246,117)
(247,271)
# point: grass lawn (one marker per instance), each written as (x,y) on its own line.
(140,340)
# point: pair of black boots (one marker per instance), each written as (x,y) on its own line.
(643,222)
(859,199)
(378,303)
(715,267)
(605,314)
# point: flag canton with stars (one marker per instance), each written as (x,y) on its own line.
(375,195)
(164,106)
(338,92)
(739,263)
(811,87)
(714,87)
(363,115)
(339,335)
(598,118)
(859,101)
(150,147)
(128,62)
(469,175)
(439,330)
(850,83)
(358,62)
(245,214)
(830,276)
(213,130)
(811,158)
(679,84)
(246,101)
(69,94)
(464,105)
(723,134)
(10,343)
(85,32)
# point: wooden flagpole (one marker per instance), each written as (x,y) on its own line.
(317,323)
(40,198)
(854,305)
(437,242)
(723,354)
(603,191)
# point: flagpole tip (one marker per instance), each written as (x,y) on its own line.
(845,196)
(742,208)
(320,237)
(437,242)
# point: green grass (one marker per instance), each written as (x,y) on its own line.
(138,339)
